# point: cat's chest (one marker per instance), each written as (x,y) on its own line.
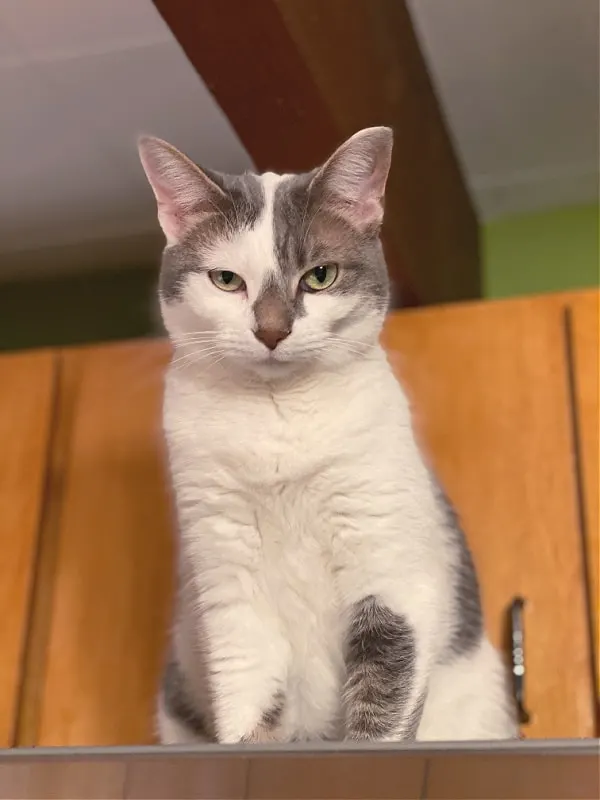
(263,444)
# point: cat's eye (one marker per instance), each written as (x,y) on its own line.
(226,280)
(319,278)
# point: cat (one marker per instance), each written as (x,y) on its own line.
(326,591)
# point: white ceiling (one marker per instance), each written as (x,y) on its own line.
(519,81)
(80,79)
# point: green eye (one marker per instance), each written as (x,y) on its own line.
(319,278)
(226,280)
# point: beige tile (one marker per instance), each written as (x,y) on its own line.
(182,777)
(61,780)
(351,776)
(552,777)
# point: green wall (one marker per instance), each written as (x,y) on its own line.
(541,252)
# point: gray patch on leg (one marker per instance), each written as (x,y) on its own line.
(414,720)
(266,730)
(179,705)
(272,717)
(468,628)
(380,661)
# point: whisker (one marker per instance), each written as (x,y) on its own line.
(193,335)
(197,341)
(197,355)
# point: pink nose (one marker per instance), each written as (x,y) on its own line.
(271,336)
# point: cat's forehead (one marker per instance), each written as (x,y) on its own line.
(269,229)
(266,230)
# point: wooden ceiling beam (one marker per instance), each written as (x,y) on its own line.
(296,77)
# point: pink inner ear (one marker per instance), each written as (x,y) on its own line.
(180,187)
(355,177)
(177,210)
(173,224)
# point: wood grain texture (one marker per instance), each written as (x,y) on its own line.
(586,345)
(26,401)
(297,78)
(112,584)
(489,383)
(65,400)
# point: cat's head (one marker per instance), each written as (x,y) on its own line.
(268,273)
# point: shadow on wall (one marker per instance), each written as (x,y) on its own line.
(93,306)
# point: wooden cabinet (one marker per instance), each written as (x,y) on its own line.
(27,385)
(494,386)
(584,343)
(102,617)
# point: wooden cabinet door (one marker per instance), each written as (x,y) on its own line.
(489,382)
(103,601)
(26,403)
(584,343)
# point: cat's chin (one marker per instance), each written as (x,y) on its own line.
(271,368)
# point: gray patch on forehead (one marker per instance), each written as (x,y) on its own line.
(239,210)
(306,234)
(292,209)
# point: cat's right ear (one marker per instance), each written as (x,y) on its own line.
(184,193)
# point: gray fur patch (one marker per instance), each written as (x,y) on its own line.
(236,211)
(380,661)
(272,717)
(468,629)
(307,234)
(414,719)
(179,704)
(273,312)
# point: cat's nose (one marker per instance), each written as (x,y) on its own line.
(271,336)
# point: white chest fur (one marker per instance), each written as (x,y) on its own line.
(283,492)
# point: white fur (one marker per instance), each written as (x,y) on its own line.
(300,490)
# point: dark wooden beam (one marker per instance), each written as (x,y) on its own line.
(296,77)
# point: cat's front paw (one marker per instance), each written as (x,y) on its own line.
(262,734)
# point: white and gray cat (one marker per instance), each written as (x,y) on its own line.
(326,590)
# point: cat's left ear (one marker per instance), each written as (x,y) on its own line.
(353,179)
(185,194)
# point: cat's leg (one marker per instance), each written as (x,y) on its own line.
(178,720)
(238,631)
(387,673)
(469,698)
(247,660)
(394,584)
